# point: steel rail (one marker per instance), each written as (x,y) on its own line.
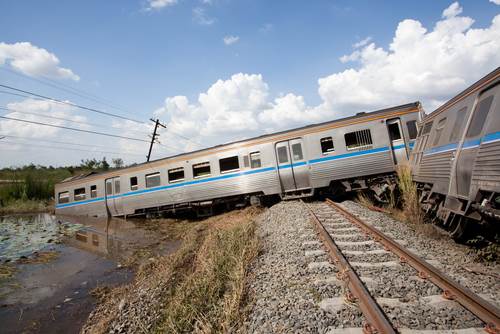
(484,310)
(377,320)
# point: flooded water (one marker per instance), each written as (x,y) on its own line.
(58,261)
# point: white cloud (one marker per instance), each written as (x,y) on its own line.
(34,61)
(21,110)
(453,10)
(200,16)
(159,4)
(496,2)
(361,43)
(430,65)
(228,40)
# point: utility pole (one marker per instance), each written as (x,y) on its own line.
(155,135)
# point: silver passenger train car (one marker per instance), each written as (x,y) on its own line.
(456,159)
(358,152)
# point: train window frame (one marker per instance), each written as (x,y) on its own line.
(201,165)
(152,176)
(255,163)
(63,197)
(324,148)
(479,118)
(282,149)
(246,161)
(79,194)
(362,137)
(297,155)
(173,171)
(459,123)
(439,130)
(134,183)
(412,131)
(93,191)
(233,164)
(394,131)
(116,182)
(426,129)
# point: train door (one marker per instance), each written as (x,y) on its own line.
(469,146)
(113,198)
(398,147)
(292,167)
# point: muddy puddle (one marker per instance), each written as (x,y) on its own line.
(49,265)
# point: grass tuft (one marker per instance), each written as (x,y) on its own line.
(409,196)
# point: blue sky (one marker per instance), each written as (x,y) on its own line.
(136,56)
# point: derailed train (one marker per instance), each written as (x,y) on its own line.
(455,160)
(358,152)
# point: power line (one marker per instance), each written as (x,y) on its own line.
(67,148)
(69,89)
(72,104)
(74,129)
(68,120)
(58,142)
(174,133)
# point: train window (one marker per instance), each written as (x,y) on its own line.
(358,139)
(79,194)
(427,128)
(63,197)
(412,129)
(109,187)
(297,152)
(201,169)
(229,164)
(133,183)
(153,180)
(282,154)
(477,123)
(93,191)
(439,130)
(394,133)
(459,122)
(255,160)
(117,186)
(176,174)
(326,145)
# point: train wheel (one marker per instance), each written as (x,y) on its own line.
(460,229)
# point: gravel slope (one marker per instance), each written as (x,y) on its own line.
(290,288)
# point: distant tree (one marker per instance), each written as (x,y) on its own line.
(118,162)
(90,164)
(104,164)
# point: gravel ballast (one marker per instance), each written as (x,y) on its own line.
(293,286)
(289,291)
(441,251)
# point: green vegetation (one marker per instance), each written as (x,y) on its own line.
(31,188)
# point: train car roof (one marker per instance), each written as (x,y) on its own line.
(407,107)
(477,86)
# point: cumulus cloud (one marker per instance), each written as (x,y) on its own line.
(159,4)
(34,61)
(228,40)
(496,2)
(426,64)
(200,16)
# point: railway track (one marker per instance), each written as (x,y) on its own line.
(392,285)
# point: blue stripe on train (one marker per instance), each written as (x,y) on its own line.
(227,176)
(488,138)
